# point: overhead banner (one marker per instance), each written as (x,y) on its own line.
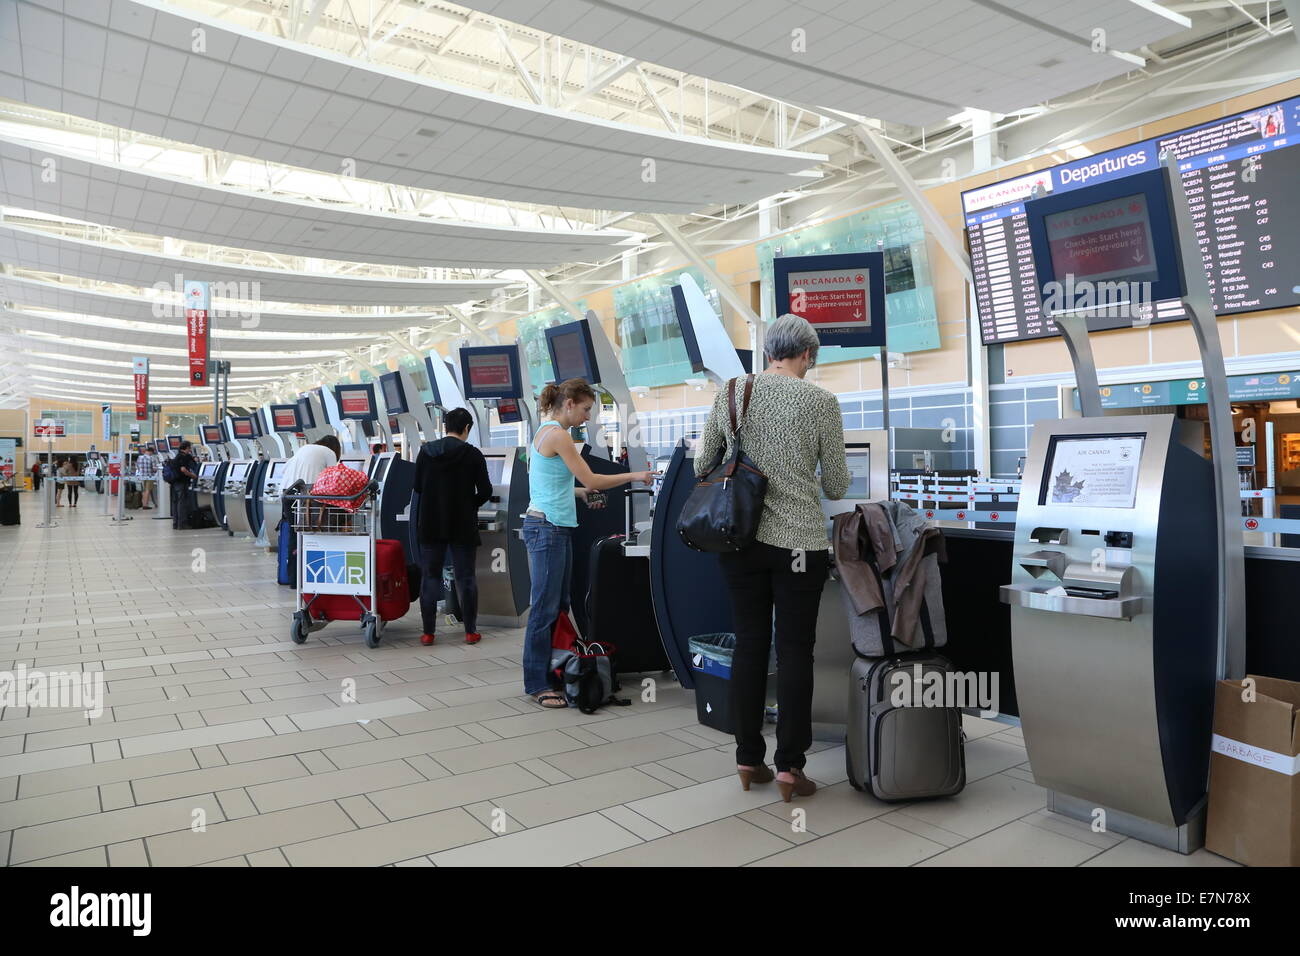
(197,309)
(842,296)
(141,369)
(107,411)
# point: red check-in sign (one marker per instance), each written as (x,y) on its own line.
(831,298)
(197,327)
(140,369)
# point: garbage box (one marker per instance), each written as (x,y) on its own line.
(711,668)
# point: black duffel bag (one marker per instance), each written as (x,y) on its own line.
(724,509)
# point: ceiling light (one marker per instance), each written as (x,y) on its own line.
(426,132)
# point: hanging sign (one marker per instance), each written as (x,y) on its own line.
(140,366)
(197,310)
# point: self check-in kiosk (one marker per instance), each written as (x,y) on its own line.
(1126,584)
(406,412)
(497,374)
(234,491)
(311,415)
(285,420)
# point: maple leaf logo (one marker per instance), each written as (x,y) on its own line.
(1064,488)
(1135,207)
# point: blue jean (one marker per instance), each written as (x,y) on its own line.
(550,565)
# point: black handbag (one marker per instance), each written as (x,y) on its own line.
(724,509)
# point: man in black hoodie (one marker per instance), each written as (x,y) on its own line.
(451,479)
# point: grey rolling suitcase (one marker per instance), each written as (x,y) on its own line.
(902,752)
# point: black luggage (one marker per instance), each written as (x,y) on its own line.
(620,612)
(202,518)
(286,560)
(9,508)
(134,498)
(897,748)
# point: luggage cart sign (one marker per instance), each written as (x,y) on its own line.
(336,564)
(842,296)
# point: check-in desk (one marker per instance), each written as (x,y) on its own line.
(234,490)
(272,507)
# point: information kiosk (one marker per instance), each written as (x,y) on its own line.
(311,415)
(1126,586)
(285,420)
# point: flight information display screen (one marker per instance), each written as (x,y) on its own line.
(1239,174)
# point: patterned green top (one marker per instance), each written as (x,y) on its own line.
(791,426)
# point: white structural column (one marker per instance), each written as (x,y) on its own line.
(563,300)
(724,288)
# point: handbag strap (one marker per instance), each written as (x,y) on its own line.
(744,407)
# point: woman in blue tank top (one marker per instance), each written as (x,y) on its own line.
(553,464)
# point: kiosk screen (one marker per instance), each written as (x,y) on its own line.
(508,412)
(394,399)
(160,445)
(207,470)
(239,471)
(211,434)
(357,402)
(1093,472)
(490,371)
(305,415)
(277,469)
(381,469)
(243,427)
(859,461)
(174,442)
(496,469)
(569,352)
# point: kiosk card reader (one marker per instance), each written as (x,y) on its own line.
(1127,579)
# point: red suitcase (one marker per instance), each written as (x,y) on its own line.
(394,593)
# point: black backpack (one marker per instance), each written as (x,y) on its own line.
(169,470)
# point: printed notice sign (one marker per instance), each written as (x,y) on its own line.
(488,371)
(832,298)
(1107,240)
(1094,472)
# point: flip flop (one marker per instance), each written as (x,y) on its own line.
(546,700)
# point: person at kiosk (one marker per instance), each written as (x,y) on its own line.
(451,477)
(146,469)
(185,468)
(789,427)
(552,516)
(309,461)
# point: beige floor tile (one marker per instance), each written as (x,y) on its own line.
(670,777)
(229,861)
(361,811)
(982,806)
(209,755)
(638,725)
(455,791)
(1075,829)
(418,861)
(830,808)
(301,791)
(248,835)
(728,842)
(555,844)
(612,756)
(561,801)
(93,775)
(280,744)
(267,858)
(93,856)
(538,720)
(1136,853)
(8,789)
(544,770)
(986,756)
(873,843)
(702,765)
(316,762)
(496,753)
(777,826)
(130,853)
(391,842)
(235,804)
(1016,844)
(394,748)
(46,809)
(350,713)
(263,710)
(921,828)
(226,777)
(182,705)
(702,803)
(428,767)
(629,820)
(117,826)
(198,737)
(28,763)
(115,796)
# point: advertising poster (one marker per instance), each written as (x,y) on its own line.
(197,310)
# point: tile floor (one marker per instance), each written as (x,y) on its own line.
(224,744)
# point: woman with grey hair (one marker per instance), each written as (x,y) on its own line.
(790,427)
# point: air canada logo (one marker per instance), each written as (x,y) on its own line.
(335,567)
(1064,488)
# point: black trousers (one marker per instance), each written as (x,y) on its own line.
(183,502)
(774,590)
(433,556)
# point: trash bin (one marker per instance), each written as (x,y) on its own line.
(711,668)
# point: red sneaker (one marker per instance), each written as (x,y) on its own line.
(473,638)
(426,639)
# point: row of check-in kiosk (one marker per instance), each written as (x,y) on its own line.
(1125,590)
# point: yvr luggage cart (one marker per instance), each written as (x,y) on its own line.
(336,560)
